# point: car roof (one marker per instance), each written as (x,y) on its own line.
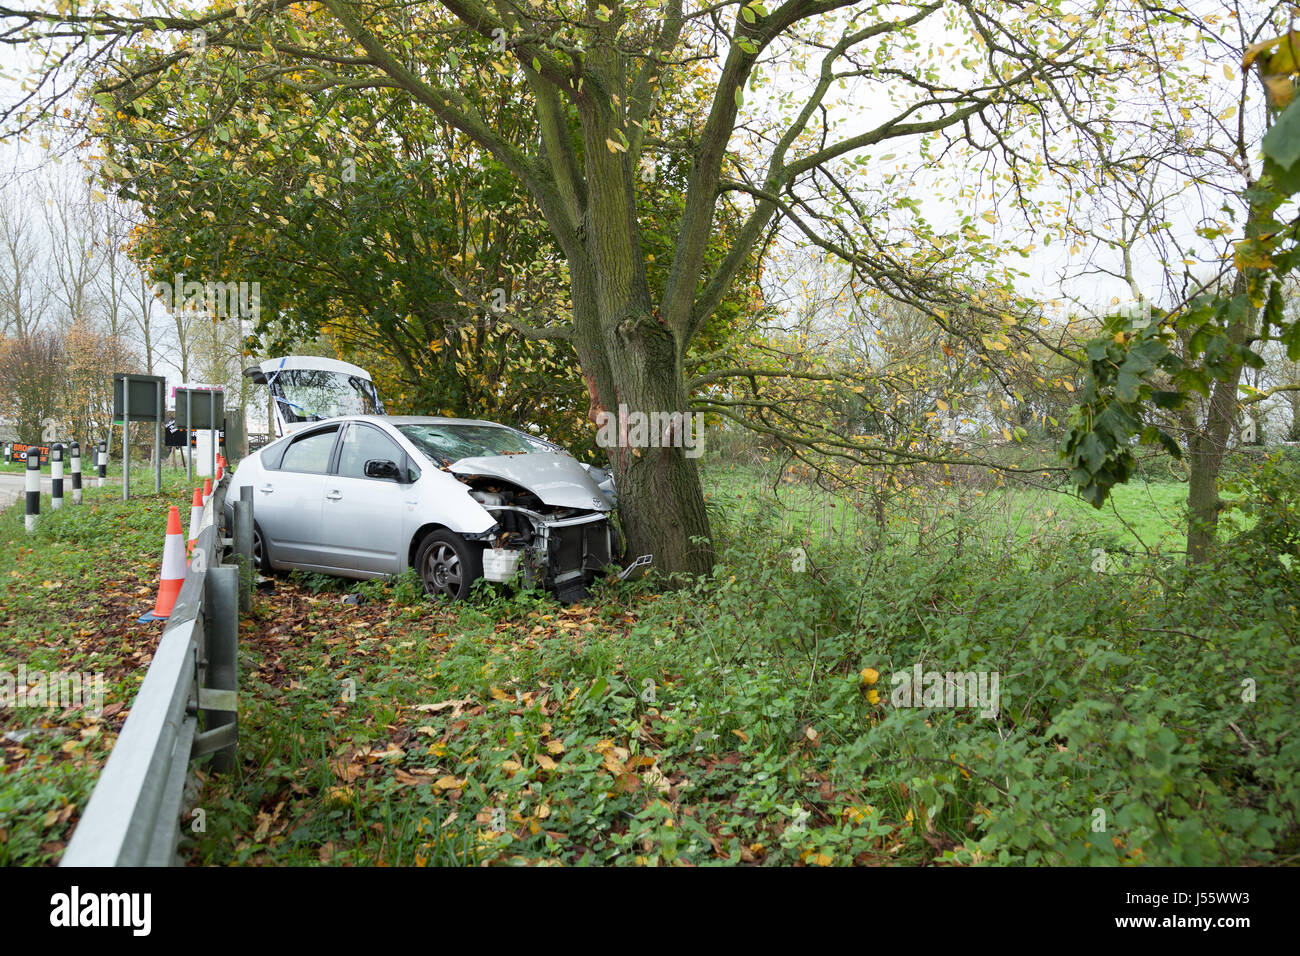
(421,420)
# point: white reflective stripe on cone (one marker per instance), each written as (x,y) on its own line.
(173,562)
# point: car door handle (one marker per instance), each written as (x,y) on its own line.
(334,495)
(266,489)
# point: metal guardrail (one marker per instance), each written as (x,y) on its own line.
(133,817)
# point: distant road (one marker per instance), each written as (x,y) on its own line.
(14,486)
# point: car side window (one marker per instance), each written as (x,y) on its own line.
(310,453)
(272,455)
(363,443)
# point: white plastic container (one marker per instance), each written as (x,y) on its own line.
(204,438)
(500,564)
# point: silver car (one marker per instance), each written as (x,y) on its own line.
(365,496)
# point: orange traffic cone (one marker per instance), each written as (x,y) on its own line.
(173,569)
(196,519)
(207,491)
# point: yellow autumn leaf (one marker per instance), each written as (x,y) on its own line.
(1278,90)
(858,814)
(1250,254)
(615,147)
(1283,61)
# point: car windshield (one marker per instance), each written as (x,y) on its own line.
(447,443)
(312,395)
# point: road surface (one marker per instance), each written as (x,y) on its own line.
(13,487)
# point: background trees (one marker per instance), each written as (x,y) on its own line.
(597,112)
(1188,357)
(664,151)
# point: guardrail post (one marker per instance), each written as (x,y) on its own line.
(243,535)
(221,637)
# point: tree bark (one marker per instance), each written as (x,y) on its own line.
(1206,447)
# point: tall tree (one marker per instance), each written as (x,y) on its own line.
(596,72)
(1189,356)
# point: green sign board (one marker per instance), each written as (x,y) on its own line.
(143,397)
(200,408)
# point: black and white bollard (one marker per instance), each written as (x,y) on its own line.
(9,452)
(56,477)
(33,489)
(102,462)
(76,473)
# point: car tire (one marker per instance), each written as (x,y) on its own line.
(448,565)
(261,553)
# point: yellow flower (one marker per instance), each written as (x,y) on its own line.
(873,697)
(869,676)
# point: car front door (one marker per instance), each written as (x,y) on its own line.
(364,521)
(287,500)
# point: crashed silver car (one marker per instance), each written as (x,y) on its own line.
(365,496)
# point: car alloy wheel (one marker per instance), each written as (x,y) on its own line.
(448,565)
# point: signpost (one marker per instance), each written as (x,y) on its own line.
(139,398)
(201,406)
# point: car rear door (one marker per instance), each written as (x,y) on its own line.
(365,521)
(287,500)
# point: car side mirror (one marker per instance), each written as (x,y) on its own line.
(383,468)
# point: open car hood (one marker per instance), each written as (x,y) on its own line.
(555,478)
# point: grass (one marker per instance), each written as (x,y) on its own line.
(732,723)
(1139,516)
(70,595)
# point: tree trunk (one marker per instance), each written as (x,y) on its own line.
(1205,450)
(634,367)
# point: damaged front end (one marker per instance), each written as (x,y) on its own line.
(556,531)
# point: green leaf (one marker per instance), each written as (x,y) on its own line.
(1282,142)
(1126,388)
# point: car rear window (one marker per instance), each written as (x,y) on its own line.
(310,453)
(273,454)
